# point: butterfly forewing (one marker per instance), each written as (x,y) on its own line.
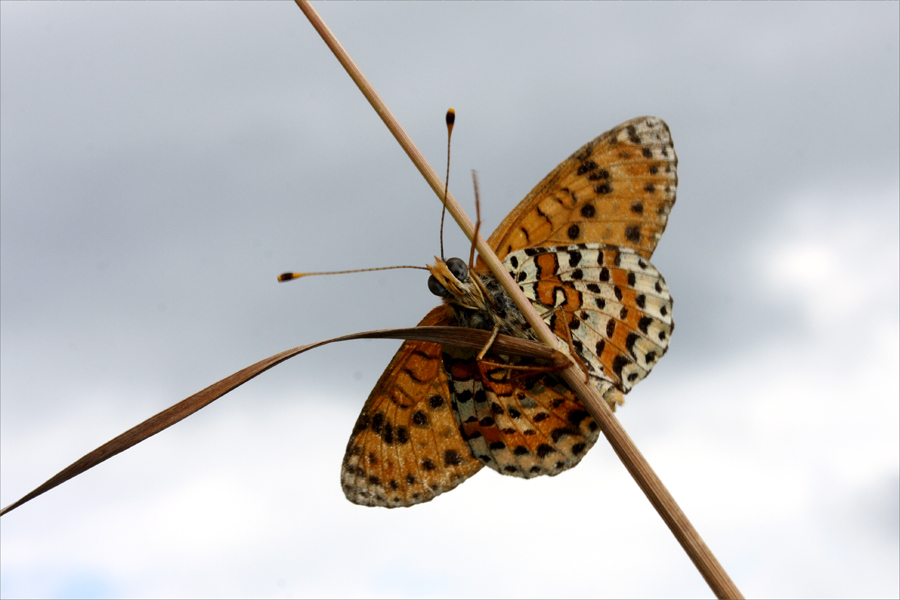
(406,447)
(616,190)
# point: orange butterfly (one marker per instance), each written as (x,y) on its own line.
(578,245)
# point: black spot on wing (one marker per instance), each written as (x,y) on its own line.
(560,432)
(630,341)
(402,435)
(544,449)
(633,233)
(452,458)
(586,167)
(619,363)
(644,324)
(378,422)
(575,417)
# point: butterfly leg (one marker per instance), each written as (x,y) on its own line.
(567,337)
(477,220)
(489,343)
(480,360)
(522,371)
(531,369)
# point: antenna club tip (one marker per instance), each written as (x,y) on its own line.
(451,117)
(288,276)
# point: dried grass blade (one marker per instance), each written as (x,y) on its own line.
(451,336)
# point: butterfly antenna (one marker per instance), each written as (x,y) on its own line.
(290,276)
(477,220)
(451,118)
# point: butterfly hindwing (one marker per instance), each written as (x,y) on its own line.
(515,422)
(617,189)
(406,447)
(613,302)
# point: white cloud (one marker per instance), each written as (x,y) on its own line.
(835,266)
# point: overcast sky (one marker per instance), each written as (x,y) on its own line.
(162,163)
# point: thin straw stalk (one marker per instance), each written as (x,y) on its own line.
(628,453)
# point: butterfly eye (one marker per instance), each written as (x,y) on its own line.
(458,267)
(436,288)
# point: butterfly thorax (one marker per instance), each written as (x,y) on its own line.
(478,299)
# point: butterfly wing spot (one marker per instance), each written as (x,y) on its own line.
(420,419)
(633,234)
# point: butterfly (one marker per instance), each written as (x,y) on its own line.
(579,246)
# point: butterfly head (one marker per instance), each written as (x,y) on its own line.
(448,278)
(452,281)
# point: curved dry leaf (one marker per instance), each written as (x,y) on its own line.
(450,336)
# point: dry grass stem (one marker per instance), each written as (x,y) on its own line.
(634,461)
